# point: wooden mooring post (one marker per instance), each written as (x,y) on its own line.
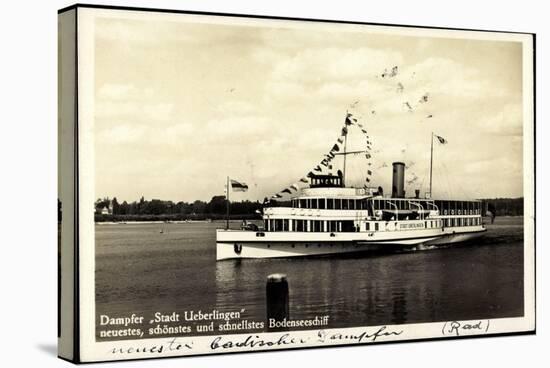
(277,302)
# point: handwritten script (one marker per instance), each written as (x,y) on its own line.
(287,339)
(160,348)
(456,328)
(365,336)
(231,342)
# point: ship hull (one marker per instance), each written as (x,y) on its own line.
(246,244)
(283,250)
(457,235)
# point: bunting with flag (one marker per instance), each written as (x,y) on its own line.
(441,139)
(348,119)
(326,161)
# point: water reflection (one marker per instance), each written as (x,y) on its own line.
(140,271)
(369,289)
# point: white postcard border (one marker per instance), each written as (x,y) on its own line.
(103,351)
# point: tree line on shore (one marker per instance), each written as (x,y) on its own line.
(107,209)
(505,206)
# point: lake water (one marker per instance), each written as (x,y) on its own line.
(141,270)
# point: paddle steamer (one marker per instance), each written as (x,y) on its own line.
(329,218)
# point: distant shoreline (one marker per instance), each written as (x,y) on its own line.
(155,222)
(128,222)
(171,218)
(156,211)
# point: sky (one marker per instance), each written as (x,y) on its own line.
(180,105)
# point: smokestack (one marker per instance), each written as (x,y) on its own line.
(417,193)
(398,186)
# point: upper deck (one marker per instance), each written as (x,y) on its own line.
(325,192)
(327,205)
(351,213)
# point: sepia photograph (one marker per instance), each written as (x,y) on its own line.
(276,183)
(287,183)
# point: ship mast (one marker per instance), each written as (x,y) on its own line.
(431,162)
(227,205)
(345,155)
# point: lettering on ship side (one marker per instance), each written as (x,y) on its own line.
(417,225)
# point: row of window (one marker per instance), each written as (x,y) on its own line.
(452,212)
(445,207)
(462,221)
(326,181)
(330,203)
(465,207)
(349,226)
(310,225)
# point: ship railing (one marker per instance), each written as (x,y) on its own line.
(314,212)
(396,208)
(420,207)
